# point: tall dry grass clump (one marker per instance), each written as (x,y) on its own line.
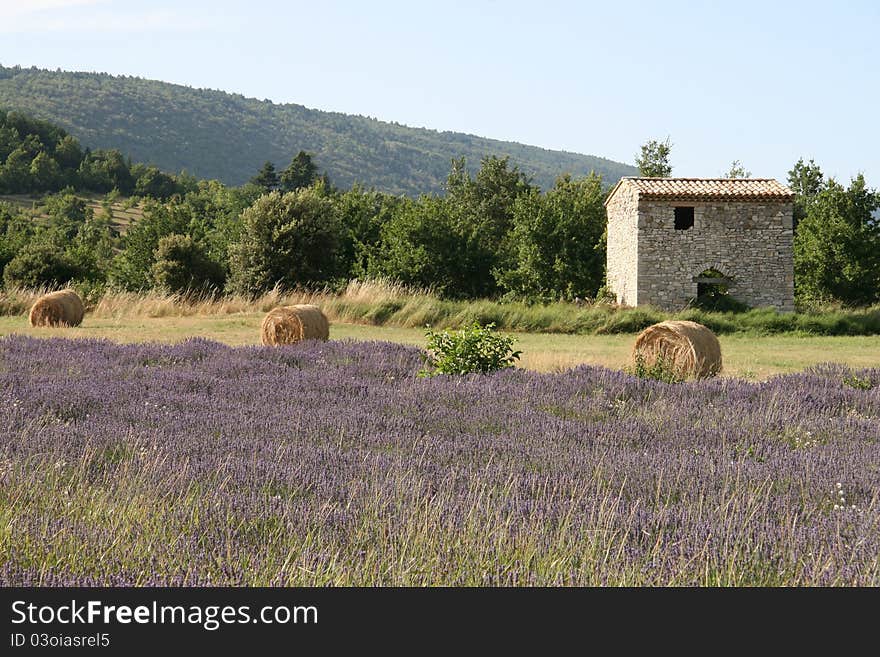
(62,308)
(19,300)
(688,348)
(290,324)
(118,304)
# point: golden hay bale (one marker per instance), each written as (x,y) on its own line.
(690,348)
(289,324)
(63,308)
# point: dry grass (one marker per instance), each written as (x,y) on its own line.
(382,303)
(117,304)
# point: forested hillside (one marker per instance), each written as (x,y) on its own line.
(213,134)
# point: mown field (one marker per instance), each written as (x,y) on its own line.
(122,212)
(335,464)
(745,356)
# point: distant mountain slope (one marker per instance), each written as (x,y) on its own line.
(213,134)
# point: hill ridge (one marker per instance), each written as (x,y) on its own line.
(212,133)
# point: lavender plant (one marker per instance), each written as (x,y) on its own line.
(335,464)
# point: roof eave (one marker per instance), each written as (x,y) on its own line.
(708,197)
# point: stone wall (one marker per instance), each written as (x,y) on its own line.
(750,242)
(623,239)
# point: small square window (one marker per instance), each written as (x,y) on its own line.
(684,218)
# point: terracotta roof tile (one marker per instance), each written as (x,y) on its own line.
(710,189)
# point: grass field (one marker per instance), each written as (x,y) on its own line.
(379,302)
(745,356)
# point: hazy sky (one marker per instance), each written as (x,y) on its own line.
(762,82)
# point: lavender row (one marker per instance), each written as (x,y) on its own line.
(333,463)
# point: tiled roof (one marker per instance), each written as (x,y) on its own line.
(709,189)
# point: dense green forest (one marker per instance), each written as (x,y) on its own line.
(227,137)
(37,156)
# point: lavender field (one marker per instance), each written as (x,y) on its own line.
(334,464)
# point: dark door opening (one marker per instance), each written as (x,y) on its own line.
(713,292)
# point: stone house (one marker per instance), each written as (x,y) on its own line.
(671,239)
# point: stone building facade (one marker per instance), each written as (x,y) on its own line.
(666,235)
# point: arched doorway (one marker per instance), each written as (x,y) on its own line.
(711,283)
(713,288)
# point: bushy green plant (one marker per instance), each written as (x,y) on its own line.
(660,370)
(182,266)
(473,350)
(858,382)
(288,240)
(39,263)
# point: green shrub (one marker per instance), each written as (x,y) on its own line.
(181,266)
(660,370)
(858,382)
(380,313)
(473,350)
(631,320)
(39,264)
(89,291)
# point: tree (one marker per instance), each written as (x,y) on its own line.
(15,174)
(38,264)
(68,153)
(806,181)
(181,266)
(837,245)
(118,170)
(67,214)
(9,139)
(131,268)
(214,216)
(15,232)
(302,172)
(155,183)
(266,177)
(482,212)
(654,159)
(559,242)
(421,245)
(93,248)
(737,170)
(104,171)
(362,215)
(454,244)
(45,173)
(286,239)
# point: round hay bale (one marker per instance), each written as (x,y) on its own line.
(289,324)
(63,308)
(689,348)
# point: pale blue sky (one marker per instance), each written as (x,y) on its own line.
(762,82)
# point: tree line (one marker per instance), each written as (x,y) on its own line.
(491,234)
(37,157)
